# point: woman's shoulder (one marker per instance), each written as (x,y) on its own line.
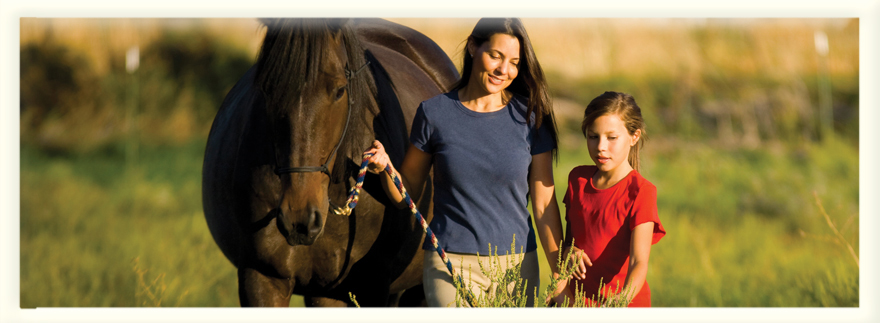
(519,105)
(441,99)
(437,102)
(518,102)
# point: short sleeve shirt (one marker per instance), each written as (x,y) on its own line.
(481,164)
(602,221)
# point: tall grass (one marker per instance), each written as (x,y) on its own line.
(741,81)
(77,96)
(734,219)
(95,234)
(733,151)
(85,219)
(507,289)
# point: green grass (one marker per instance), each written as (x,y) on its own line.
(743,227)
(94,233)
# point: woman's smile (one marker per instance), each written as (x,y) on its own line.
(495,80)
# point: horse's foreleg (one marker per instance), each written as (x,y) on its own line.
(256,289)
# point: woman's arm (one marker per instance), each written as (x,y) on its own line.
(640,250)
(581,261)
(545,209)
(576,257)
(413,172)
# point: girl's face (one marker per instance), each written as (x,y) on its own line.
(609,142)
(496,63)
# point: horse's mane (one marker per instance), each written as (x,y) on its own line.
(289,60)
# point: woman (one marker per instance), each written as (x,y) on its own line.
(491,142)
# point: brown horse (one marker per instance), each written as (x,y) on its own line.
(284,149)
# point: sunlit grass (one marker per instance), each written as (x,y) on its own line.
(734,219)
(81,234)
(743,225)
(85,219)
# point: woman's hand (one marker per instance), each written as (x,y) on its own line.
(581,261)
(379,160)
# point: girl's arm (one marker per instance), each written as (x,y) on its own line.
(413,172)
(545,210)
(640,250)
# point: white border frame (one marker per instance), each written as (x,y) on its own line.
(10,12)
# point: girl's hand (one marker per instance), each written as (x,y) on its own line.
(380,158)
(581,261)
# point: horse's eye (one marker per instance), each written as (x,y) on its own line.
(339,93)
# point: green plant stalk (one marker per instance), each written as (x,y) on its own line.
(353,300)
(840,238)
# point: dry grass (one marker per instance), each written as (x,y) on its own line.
(79,213)
(602,47)
(103,39)
(572,47)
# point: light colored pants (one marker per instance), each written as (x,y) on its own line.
(440,290)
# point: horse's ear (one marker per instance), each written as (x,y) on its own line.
(337,24)
(269,22)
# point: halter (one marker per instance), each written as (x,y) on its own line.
(323,168)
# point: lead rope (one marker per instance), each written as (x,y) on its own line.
(353,199)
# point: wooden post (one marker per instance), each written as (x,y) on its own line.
(826,116)
(132,62)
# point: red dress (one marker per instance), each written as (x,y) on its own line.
(601,224)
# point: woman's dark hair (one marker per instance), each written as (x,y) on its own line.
(529,82)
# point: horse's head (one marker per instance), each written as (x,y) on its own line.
(304,70)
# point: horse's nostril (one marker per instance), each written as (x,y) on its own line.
(315,223)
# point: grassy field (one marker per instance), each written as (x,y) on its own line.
(738,80)
(95,233)
(734,148)
(743,228)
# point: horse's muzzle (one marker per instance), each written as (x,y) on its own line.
(303,229)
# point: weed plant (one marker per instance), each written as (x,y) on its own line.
(508,289)
(85,218)
(742,226)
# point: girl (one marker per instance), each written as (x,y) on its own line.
(490,141)
(611,210)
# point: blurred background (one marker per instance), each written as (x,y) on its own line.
(752,143)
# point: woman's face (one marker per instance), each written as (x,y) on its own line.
(609,142)
(496,63)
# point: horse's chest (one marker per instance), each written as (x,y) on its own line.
(327,262)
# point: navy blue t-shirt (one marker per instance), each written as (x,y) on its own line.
(481,166)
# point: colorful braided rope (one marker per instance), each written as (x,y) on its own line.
(353,199)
